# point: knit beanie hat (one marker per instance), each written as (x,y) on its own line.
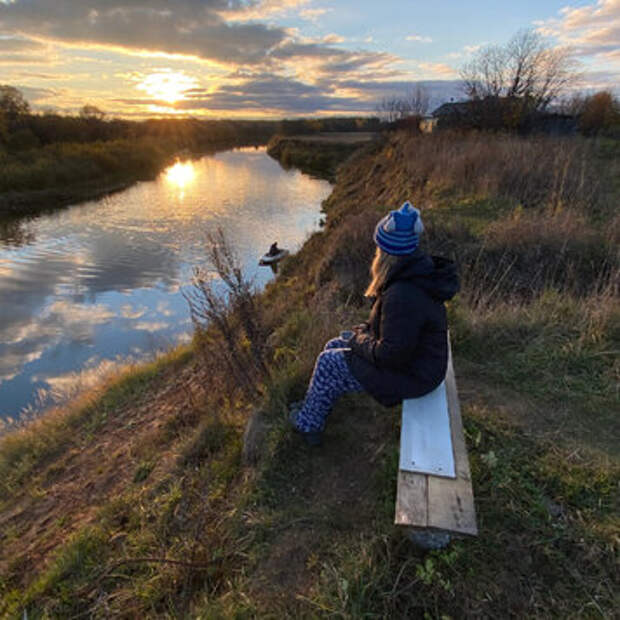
(398,232)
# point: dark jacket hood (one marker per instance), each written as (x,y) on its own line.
(434,274)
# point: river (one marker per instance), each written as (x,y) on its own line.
(98,284)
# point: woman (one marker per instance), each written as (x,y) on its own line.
(402,350)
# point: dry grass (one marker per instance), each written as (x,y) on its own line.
(534,172)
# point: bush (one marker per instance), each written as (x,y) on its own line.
(230,329)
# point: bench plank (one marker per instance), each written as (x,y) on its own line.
(411,499)
(426,501)
(451,505)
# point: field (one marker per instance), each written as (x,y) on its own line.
(145,499)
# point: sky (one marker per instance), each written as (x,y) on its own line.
(276,58)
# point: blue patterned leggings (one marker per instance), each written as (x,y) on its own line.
(331,378)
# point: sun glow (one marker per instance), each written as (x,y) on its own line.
(168,86)
(180,174)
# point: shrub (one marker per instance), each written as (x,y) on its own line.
(229,325)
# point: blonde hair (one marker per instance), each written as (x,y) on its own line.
(381,265)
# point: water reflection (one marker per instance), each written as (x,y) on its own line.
(104,279)
(180,174)
(13,232)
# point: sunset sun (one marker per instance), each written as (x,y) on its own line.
(168,86)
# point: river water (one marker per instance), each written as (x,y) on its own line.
(97,284)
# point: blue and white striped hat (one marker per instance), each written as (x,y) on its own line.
(398,232)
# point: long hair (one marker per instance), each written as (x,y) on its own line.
(381,265)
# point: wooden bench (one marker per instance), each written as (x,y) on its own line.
(429,502)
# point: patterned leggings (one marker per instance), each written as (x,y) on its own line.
(331,378)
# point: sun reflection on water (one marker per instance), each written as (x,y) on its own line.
(181,174)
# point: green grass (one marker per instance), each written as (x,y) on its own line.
(546,518)
(320,159)
(556,350)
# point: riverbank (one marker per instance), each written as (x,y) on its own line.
(16,204)
(318,154)
(144,501)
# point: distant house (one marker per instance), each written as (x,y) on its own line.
(428,124)
(453,115)
(502,114)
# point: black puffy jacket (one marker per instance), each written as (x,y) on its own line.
(403,353)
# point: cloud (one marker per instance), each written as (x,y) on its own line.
(151,326)
(592,30)
(280,95)
(268,70)
(467,50)
(20,50)
(333,38)
(193,27)
(262,9)
(313,14)
(39,95)
(419,38)
(272,93)
(438,68)
(56,77)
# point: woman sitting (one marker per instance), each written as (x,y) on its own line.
(402,350)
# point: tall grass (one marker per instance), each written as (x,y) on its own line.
(556,173)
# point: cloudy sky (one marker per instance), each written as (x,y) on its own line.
(275,58)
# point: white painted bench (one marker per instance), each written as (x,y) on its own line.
(434,495)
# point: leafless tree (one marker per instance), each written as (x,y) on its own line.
(526,68)
(414,102)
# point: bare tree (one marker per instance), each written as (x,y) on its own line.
(388,109)
(418,100)
(414,102)
(526,68)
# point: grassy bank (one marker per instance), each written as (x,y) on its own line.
(318,155)
(153,508)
